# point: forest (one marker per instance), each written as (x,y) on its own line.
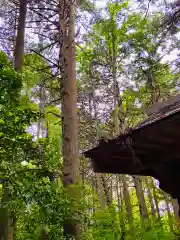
(71,73)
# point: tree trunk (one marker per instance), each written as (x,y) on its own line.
(40,127)
(19,47)
(150,197)
(40,133)
(69,104)
(106,190)
(120,208)
(140,197)
(101,184)
(119,125)
(100,189)
(168,210)
(94,185)
(155,199)
(176,212)
(7,221)
(127,200)
(14,34)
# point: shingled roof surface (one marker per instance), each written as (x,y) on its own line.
(162,110)
(151,149)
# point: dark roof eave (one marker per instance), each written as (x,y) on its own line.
(121,138)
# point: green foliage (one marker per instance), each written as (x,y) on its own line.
(104,226)
(10,81)
(32,169)
(53,121)
(49,206)
(35,70)
(121,43)
(157,232)
(14,119)
(137,46)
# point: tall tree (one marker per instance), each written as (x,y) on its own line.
(67,83)
(9,219)
(141,199)
(19,46)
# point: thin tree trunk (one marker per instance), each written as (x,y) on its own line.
(8,226)
(155,199)
(140,197)
(69,104)
(19,48)
(176,212)
(93,196)
(40,133)
(6,219)
(106,190)
(8,222)
(40,128)
(110,188)
(100,189)
(127,200)
(120,208)
(168,210)
(154,99)
(119,128)
(150,197)
(42,97)
(14,34)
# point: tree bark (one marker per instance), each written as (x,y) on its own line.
(127,200)
(120,208)
(150,197)
(100,191)
(106,190)
(40,127)
(176,212)
(168,210)
(6,219)
(68,104)
(155,200)
(19,47)
(140,197)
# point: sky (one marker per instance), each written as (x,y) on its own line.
(99,3)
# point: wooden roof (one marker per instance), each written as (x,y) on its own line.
(151,149)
